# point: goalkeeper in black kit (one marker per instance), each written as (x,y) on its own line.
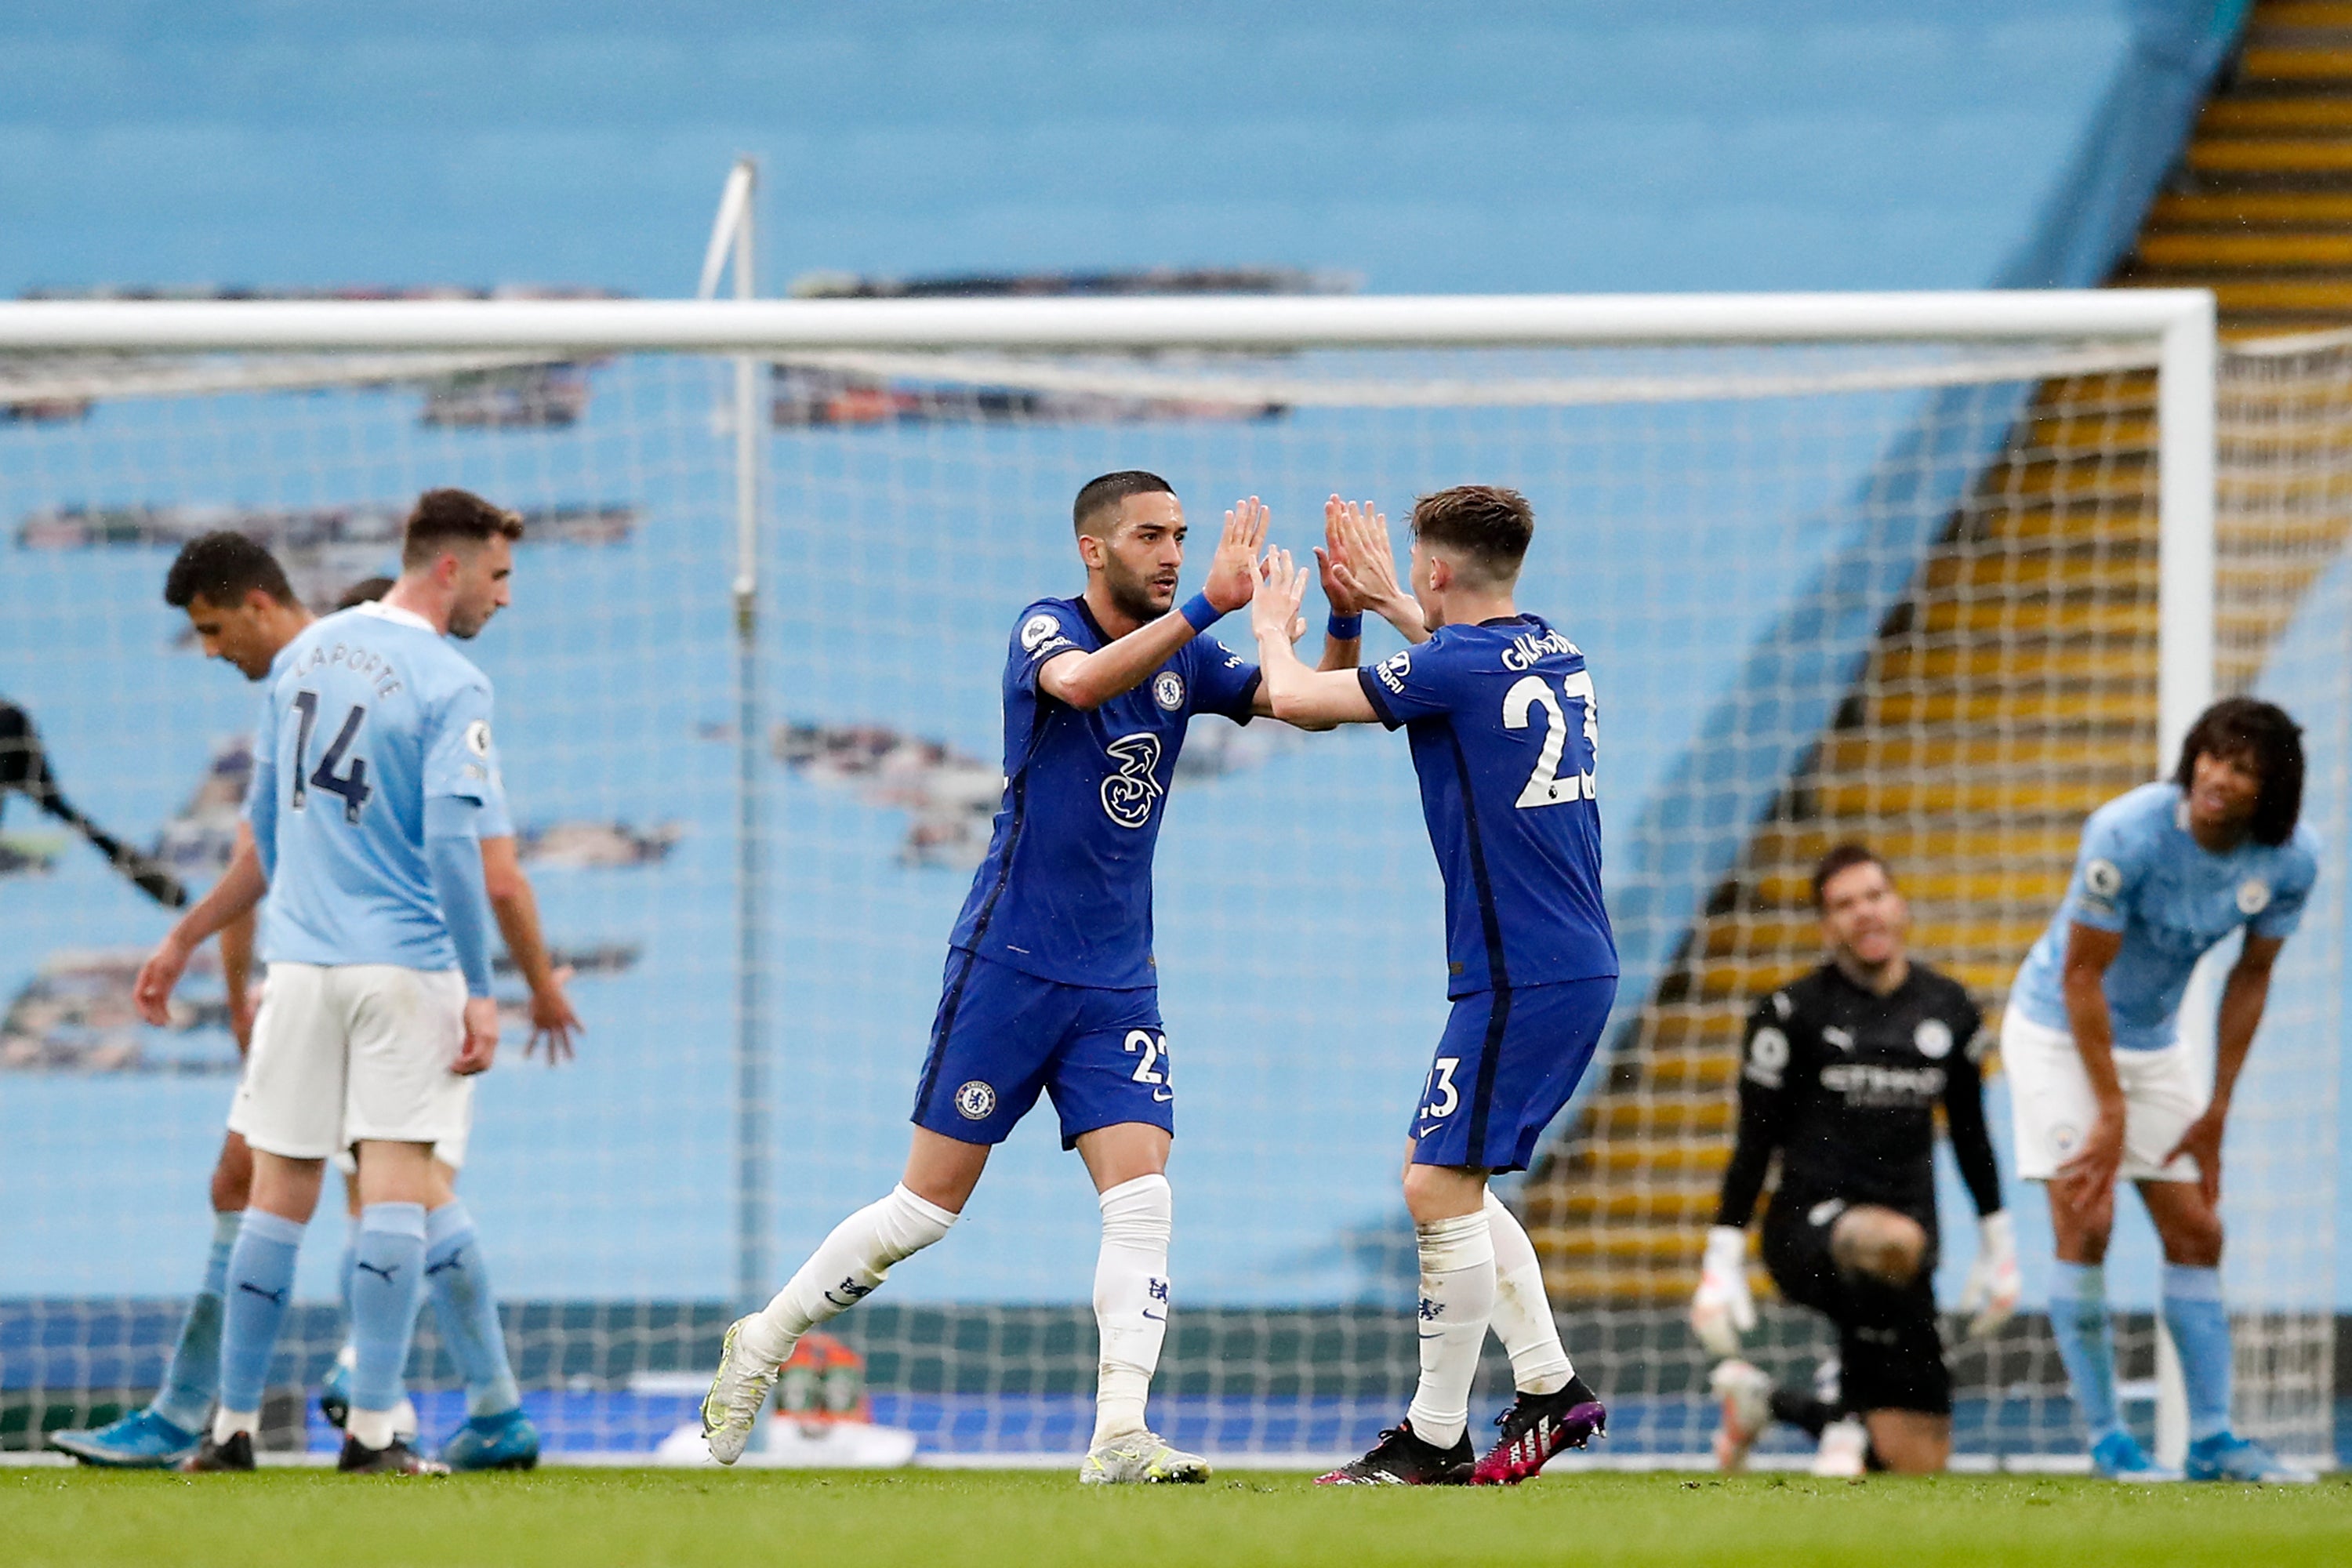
(1841,1075)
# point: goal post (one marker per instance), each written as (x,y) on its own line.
(1776,521)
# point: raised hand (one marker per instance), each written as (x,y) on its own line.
(1368,568)
(1274,607)
(1233,571)
(1331,559)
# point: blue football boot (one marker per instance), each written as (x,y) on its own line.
(2118,1457)
(335,1391)
(2226,1457)
(141,1440)
(503,1442)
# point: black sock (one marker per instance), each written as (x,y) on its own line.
(1803,1410)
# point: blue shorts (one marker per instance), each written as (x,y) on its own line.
(1507,1062)
(1003,1036)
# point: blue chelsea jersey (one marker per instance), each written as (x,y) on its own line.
(365,715)
(2142,873)
(1505,734)
(1065,891)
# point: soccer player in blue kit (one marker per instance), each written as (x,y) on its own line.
(372,764)
(1500,708)
(2101,1088)
(1051,985)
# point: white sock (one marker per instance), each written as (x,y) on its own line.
(1131,1301)
(1457,1297)
(1523,1319)
(845,1270)
(372,1428)
(227,1423)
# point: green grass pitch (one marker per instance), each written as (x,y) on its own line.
(584,1518)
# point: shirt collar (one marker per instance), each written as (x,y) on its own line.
(395,614)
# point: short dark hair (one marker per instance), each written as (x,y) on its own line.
(2262,734)
(1490,524)
(1843,858)
(1099,496)
(225,567)
(366,591)
(449,516)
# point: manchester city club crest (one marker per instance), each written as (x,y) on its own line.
(2253,896)
(1934,1039)
(1168,689)
(974,1101)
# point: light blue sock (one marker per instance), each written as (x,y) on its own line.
(387,1284)
(350,1250)
(2200,1332)
(2078,1322)
(467,1311)
(192,1374)
(257,1286)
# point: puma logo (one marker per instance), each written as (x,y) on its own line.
(276,1297)
(384,1274)
(455,1260)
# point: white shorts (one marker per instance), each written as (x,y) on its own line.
(2053,1108)
(449,1152)
(347,1052)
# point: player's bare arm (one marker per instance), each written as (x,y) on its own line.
(1292,693)
(234,897)
(552,1021)
(2242,998)
(1364,565)
(2088,1179)
(1153,547)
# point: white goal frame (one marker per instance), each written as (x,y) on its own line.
(2175,330)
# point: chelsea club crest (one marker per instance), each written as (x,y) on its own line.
(974,1101)
(1168,689)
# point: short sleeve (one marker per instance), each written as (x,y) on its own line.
(1222,680)
(2277,920)
(2107,873)
(1044,632)
(1411,683)
(461,760)
(497,821)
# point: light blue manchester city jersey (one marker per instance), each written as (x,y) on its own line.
(366,714)
(2141,873)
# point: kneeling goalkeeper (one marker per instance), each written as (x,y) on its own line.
(1840,1074)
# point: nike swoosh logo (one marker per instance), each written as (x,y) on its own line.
(1163,1096)
(1432,1336)
(1157,1317)
(1425,1132)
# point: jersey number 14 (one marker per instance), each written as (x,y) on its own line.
(1545,785)
(351,785)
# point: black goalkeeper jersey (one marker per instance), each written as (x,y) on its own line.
(1843,1085)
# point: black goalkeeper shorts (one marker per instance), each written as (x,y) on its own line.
(1890,1347)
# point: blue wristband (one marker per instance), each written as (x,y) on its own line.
(1348,628)
(1201,613)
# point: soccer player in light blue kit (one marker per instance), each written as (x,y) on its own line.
(1500,710)
(2100,1084)
(373,763)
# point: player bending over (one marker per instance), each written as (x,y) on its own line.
(1841,1075)
(372,763)
(2101,1086)
(244,612)
(1499,708)
(1050,983)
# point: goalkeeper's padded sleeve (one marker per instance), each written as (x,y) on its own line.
(454,850)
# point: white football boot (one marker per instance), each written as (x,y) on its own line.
(1844,1451)
(1140,1457)
(737,1394)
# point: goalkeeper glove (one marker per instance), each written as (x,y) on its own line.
(1723,1310)
(1993,1287)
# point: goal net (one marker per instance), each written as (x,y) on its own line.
(1901,587)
